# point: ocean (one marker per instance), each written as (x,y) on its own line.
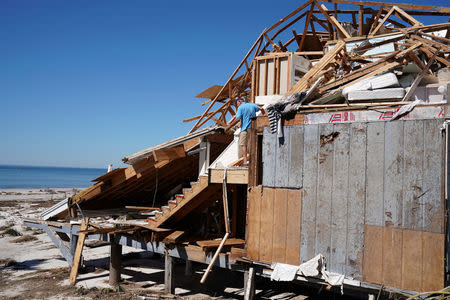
(46,177)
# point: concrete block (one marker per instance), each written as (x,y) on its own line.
(392,93)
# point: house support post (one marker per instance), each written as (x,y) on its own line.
(249,284)
(188,268)
(169,276)
(115,262)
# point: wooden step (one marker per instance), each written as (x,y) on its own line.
(165,209)
(179,197)
(158,214)
(172,203)
(202,197)
(188,192)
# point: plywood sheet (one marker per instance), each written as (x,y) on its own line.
(294,213)
(433,261)
(373,254)
(392,256)
(412,260)
(279,225)
(254,223)
(266,237)
(405,259)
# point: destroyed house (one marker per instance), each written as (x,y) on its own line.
(348,168)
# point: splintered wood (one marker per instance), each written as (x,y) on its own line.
(381,37)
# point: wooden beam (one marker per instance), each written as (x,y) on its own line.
(115,261)
(361,20)
(301,7)
(419,77)
(169,153)
(302,84)
(174,237)
(323,9)
(78,252)
(372,33)
(305,30)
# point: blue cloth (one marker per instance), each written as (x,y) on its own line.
(245,112)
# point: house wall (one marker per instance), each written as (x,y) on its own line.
(354,176)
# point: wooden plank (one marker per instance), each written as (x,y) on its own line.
(392,256)
(293,217)
(372,33)
(254,222)
(169,153)
(296,157)
(279,225)
(141,207)
(323,9)
(302,84)
(209,244)
(339,196)
(174,237)
(324,192)
(374,212)
(234,176)
(412,261)
(356,199)
(433,261)
(413,174)
(309,193)
(282,159)
(373,254)
(393,173)
(432,200)
(270,142)
(78,252)
(267,210)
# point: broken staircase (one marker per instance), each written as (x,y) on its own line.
(200,194)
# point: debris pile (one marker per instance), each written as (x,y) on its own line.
(376,54)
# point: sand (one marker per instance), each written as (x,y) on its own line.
(31,267)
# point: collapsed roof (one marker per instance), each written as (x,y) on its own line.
(338,43)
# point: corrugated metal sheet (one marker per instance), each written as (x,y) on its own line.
(374,173)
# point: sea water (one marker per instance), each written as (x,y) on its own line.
(46,177)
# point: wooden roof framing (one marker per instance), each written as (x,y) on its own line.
(305,18)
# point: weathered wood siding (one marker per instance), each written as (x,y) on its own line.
(386,174)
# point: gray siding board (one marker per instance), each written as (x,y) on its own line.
(296,159)
(339,198)
(432,180)
(374,173)
(393,171)
(374,210)
(269,154)
(356,199)
(309,192)
(413,174)
(324,188)
(282,159)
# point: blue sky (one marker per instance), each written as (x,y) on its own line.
(85,83)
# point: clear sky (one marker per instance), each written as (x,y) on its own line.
(85,83)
